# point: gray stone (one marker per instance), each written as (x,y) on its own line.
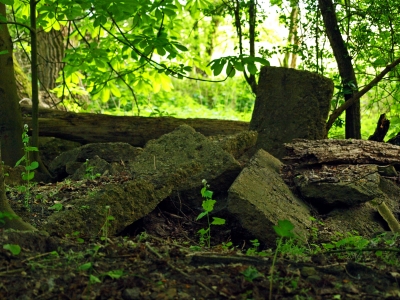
(290,104)
(342,186)
(259,198)
(189,155)
(73,159)
(236,144)
(131,294)
(50,148)
(178,162)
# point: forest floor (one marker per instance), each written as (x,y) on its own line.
(149,265)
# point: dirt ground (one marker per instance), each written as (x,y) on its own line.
(160,258)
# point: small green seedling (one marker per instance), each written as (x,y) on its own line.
(29,166)
(89,174)
(284,230)
(208,206)
(107,223)
(251,273)
(254,250)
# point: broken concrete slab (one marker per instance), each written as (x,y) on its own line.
(110,152)
(178,162)
(339,186)
(259,198)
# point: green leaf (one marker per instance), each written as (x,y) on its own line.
(33,166)
(169,12)
(14,249)
(85,267)
(261,60)
(230,70)
(251,67)
(158,14)
(379,62)
(28,176)
(208,205)
(218,221)
(19,161)
(31,149)
(114,90)
(217,67)
(201,215)
(7,2)
(206,193)
(284,228)
(161,51)
(57,207)
(238,65)
(115,274)
(180,47)
(94,279)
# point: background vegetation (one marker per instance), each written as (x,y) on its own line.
(201,58)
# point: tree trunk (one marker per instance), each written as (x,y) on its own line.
(35,85)
(346,70)
(137,131)
(50,55)
(293,38)
(307,153)
(10,116)
(10,219)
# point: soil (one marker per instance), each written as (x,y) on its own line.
(161,258)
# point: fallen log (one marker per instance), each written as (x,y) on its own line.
(137,131)
(312,152)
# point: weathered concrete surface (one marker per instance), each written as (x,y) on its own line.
(364,218)
(339,186)
(290,104)
(178,161)
(185,151)
(259,198)
(68,162)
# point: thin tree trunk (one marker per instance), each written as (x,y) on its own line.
(293,39)
(35,87)
(10,116)
(345,66)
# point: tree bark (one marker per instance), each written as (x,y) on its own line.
(307,152)
(382,127)
(35,84)
(10,219)
(50,55)
(137,131)
(10,116)
(345,66)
